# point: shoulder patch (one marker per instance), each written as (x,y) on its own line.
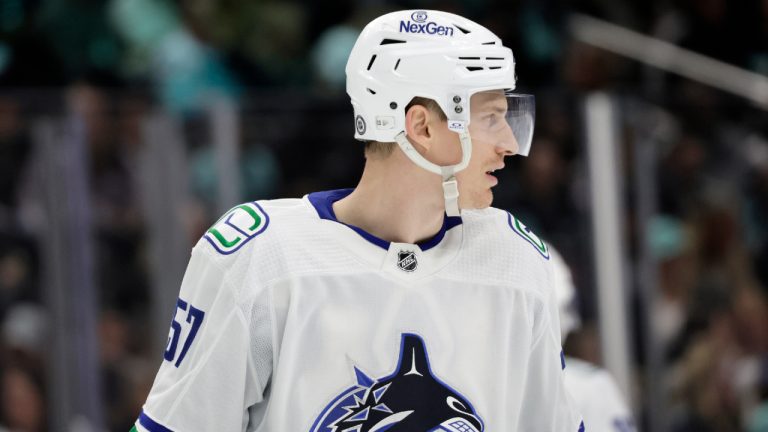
(237,227)
(528,235)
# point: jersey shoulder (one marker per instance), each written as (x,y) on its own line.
(264,241)
(499,248)
(519,228)
(245,222)
(255,227)
(504,230)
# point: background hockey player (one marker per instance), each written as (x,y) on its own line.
(406,304)
(593,388)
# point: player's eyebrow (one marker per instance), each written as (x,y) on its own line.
(495,108)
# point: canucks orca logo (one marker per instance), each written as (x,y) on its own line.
(410,399)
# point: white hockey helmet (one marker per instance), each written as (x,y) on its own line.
(434,55)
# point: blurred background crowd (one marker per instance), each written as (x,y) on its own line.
(106,68)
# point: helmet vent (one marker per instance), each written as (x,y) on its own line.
(494,67)
(463,30)
(371,62)
(397,64)
(371,91)
(474,68)
(391,41)
(494,58)
(489,43)
(469,58)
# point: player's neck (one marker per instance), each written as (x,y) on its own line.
(395,200)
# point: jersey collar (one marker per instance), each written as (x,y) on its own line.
(323,204)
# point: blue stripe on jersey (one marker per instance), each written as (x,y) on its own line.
(581,427)
(323,204)
(562,359)
(151,425)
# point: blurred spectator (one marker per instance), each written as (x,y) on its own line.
(116,216)
(123,377)
(672,245)
(266,39)
(25,329)
(22,396)
(259,174)
(586,68)
(184,70)
(702,382)
(19,272)
(27,56)
(90,47)
(332,46)
(330,53)
(14,152)
(756,212)
(682,176)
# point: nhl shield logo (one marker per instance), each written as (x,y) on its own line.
(406,261)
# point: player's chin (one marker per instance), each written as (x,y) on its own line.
(480,200)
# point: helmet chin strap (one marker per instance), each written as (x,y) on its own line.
(448,173)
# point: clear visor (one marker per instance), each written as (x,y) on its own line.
(503,120)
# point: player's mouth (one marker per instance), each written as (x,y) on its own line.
(491,177)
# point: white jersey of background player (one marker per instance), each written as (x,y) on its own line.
(384,307)
(596,393)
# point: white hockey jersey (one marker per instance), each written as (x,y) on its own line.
(290,321)
(599,399)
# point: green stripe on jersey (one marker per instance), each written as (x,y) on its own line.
(528,235)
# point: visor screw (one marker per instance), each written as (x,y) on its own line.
(393,105)
(458,109)
(456,99)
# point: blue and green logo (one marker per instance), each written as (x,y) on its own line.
(524,232)
(237,227)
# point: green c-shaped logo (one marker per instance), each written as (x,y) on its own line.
(528,235)
(237,227)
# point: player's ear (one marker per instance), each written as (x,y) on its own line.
(417,127)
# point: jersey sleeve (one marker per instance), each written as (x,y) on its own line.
(547,405)
(208,378)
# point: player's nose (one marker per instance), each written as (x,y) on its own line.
(507,143)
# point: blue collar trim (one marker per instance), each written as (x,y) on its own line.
(323,204)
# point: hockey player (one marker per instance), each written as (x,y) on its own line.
(406,304)
(596,393)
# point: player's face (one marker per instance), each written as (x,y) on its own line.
(492,140)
